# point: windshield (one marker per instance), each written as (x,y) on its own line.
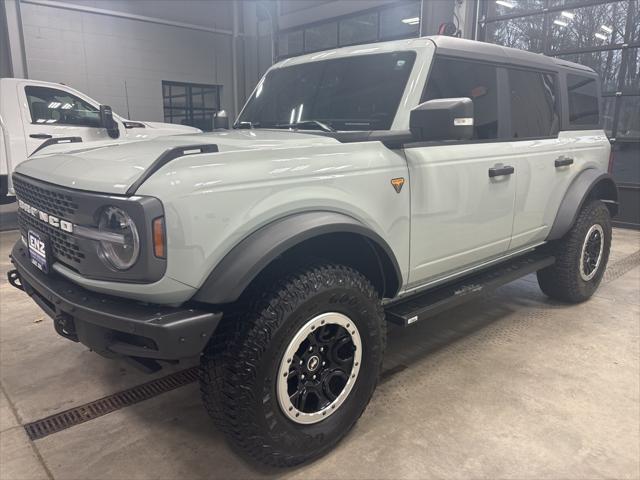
(354,93)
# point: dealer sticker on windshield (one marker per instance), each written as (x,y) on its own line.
(38,250)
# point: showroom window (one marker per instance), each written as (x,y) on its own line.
(603,35)
(453,78)
(534,104)
(400,20)
(49,106)
(190,103)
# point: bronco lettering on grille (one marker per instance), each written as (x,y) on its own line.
(46,217)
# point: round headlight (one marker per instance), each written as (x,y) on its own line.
(123,250)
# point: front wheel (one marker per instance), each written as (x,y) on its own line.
(581,256)
(299,367)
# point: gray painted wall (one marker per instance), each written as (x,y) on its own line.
(5,58)
(97,53)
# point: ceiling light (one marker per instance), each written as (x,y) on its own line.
(601,36)
(562,23)
(606,29)
(411,21)
(569,15)
(505,4)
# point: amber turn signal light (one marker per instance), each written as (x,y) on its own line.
(159,240)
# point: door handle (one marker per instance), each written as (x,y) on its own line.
(42,136)
(563,161)
(501,170)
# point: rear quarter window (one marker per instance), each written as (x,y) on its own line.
(584,104)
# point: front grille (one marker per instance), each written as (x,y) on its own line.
(64,246)
(59,204)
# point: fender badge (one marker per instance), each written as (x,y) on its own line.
(397,183)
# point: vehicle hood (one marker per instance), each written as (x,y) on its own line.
(113,167)
(169,127)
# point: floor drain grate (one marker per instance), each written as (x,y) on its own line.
(89,411)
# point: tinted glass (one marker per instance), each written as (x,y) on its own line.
(534,105)
(190,104)
(583,100)
(605,62)
(357,93)
(525,33)
(290,43)
(401,21)
(631,80)
(321,37)
(592,26)
(509,7)
(51,106)
(629,126)
(451,78)
(360,29)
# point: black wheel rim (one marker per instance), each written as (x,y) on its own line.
(592,249)
(319,368)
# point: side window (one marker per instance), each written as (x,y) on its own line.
(452,78)
(51,106)
(583,100)
(534,104)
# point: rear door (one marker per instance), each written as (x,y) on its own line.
(461,214)
(541,155)
(49,112)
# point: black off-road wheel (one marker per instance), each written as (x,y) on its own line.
(291,375)
(581,256)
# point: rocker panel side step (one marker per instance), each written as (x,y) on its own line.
(432,302)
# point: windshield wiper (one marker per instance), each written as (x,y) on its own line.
(323,126)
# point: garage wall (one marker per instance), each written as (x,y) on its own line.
(97,53)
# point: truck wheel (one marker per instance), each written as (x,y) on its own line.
(298,368)
(581,256)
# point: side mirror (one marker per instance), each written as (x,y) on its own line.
(442,119)
(107,122)
(221,120)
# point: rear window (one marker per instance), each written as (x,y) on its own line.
(583,100)
(534,104)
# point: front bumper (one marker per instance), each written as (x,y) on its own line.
(113,326)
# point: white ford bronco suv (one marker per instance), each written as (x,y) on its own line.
(359,186)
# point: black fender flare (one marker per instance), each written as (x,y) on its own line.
(590,183)
(233,274)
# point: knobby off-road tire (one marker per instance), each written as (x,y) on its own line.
(581,256)
(241,369)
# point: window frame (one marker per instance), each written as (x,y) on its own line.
(64,92)
(559,102)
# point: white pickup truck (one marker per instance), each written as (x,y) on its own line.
(36,115)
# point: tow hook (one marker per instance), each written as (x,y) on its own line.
(14,279)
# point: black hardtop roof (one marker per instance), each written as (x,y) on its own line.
(459,47)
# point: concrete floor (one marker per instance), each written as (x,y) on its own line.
(512,386)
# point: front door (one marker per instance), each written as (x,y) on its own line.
(53,112)
(462,193)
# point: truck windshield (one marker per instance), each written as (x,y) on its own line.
(354,93)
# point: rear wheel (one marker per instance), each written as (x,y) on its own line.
(581,256)
(298,368)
